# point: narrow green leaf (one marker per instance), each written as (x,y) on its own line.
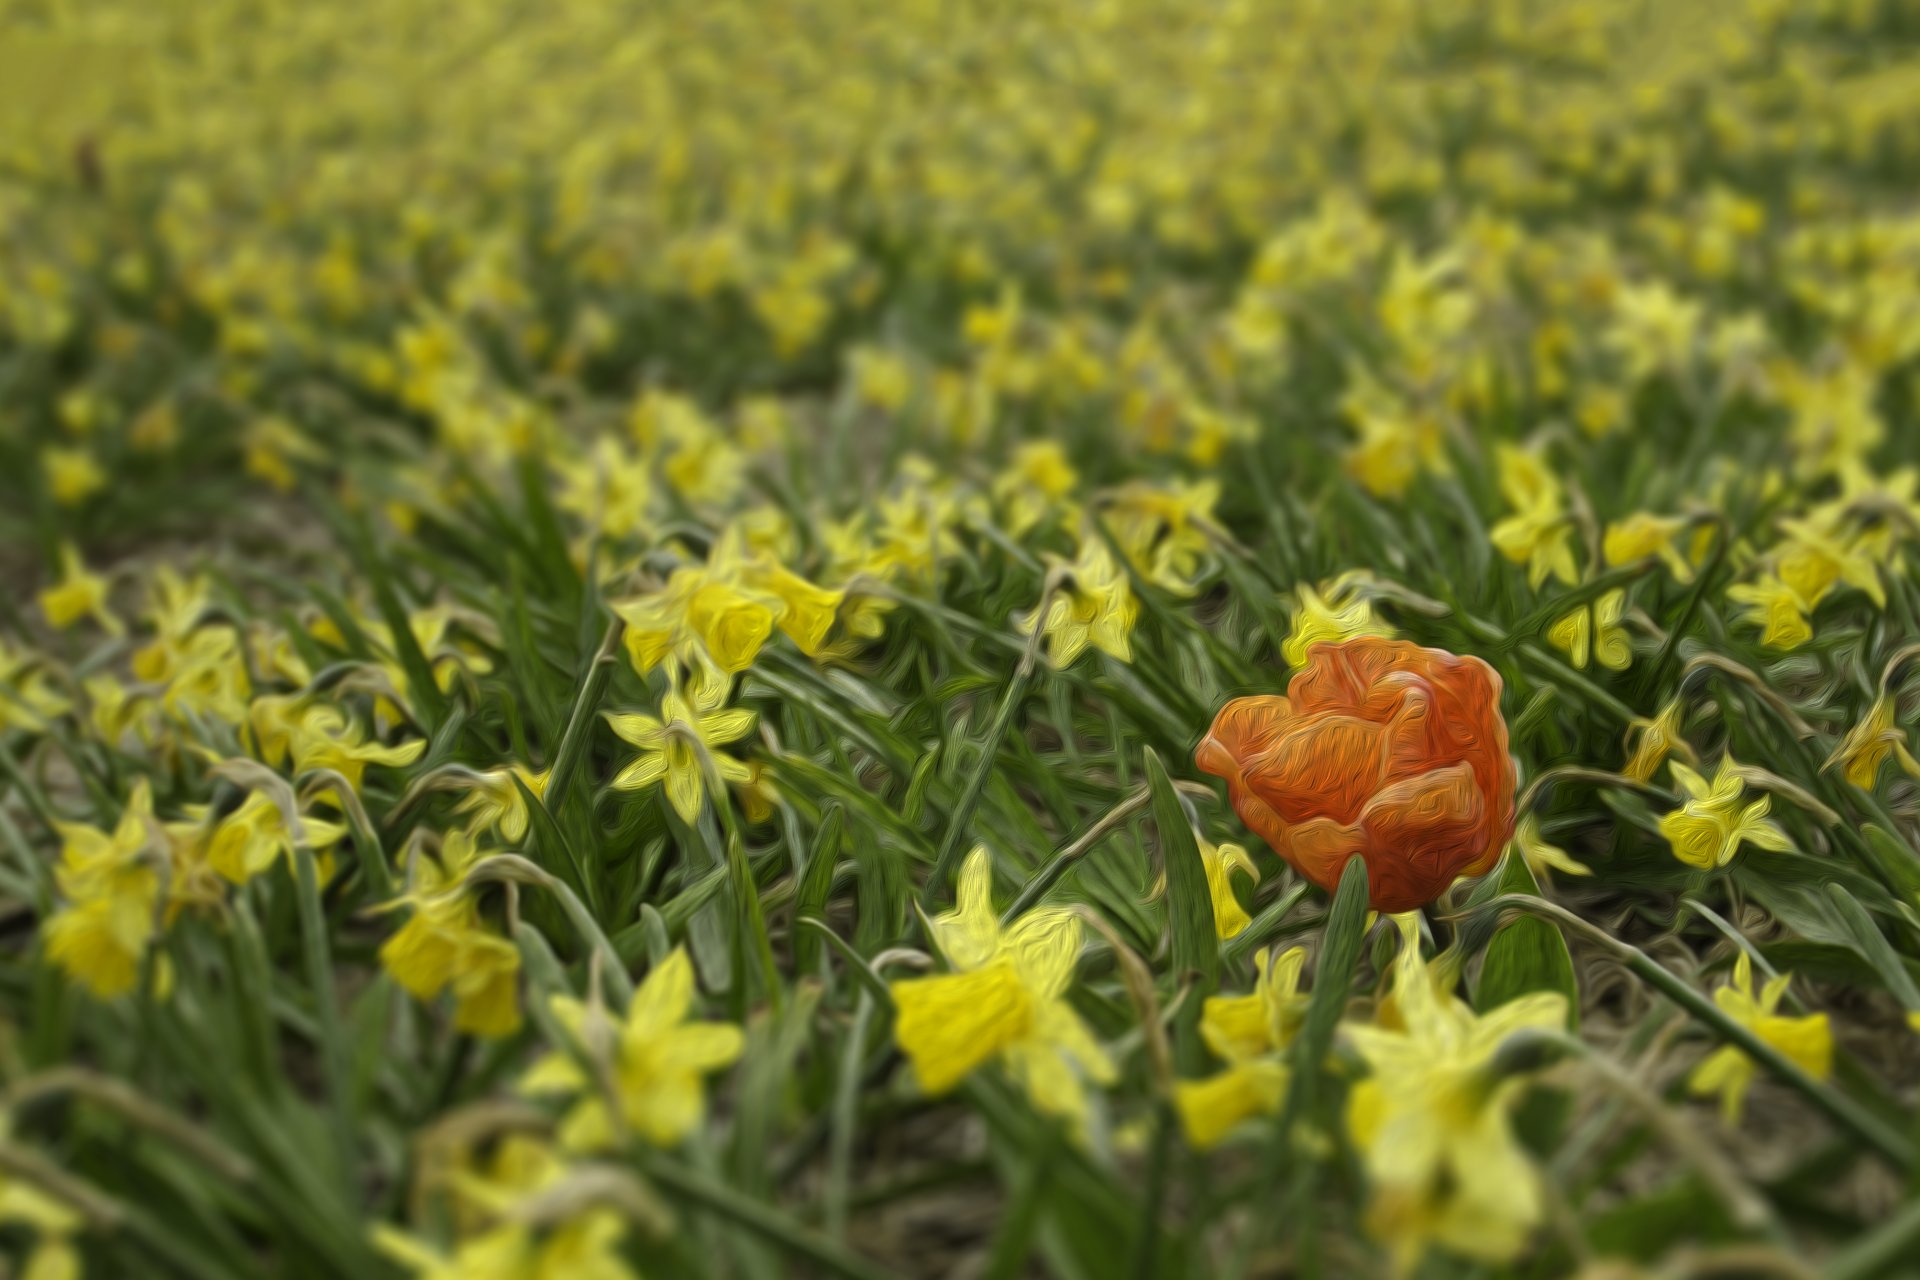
(1872,945)
(1196,948)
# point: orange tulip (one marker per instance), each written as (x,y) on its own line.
(1380,750)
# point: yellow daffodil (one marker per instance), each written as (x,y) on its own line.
(1594,631)
(1869,743)
(1814,557)
(494,802)
(53,1224)
(321,737)
(1005,1000)
(1730,1073)
(1539,534)
(1657,739)
(1091,604)
(1641,534)
(1778,608)
(1248,1033)
(1034,485)
(1711,825)
(1336,610)
(1540,856)
(111,885)
(254,836)
(1432,1120)
(72,474)
(1220,862)
(1162,530)
(79,594)
(650,1066)
(444,946)
(727,620)
(27,697)
(498,1238)
(690,724)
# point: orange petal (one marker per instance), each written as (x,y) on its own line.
(1245,728)
(1324,767)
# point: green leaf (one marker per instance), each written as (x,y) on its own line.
(1894,859)
(816,884)
(1196,948)
(1865,938)
(1527,954)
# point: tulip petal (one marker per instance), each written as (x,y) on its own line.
(1245,728)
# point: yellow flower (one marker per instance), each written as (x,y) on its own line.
(502,1243)
(1730,1073)
(1248,1033)
(112,889)
(1540,856)
(1005,1000)
(1869,743)
(1641,534)
(27,698)
(1539,532)
(321,737)
(653,1063)
(672,743)
(1431,1119)
(443,945)
(249,840)
(495,803)
(72,474)
(79,594)
(1813,558)
(1659,737)
(1162,530)
(1778,608)
(703,608)
(1034,485)
(1337,610)
(53,1224)
(1092,604)
(1708,829)
(1594,630)
(1221,861)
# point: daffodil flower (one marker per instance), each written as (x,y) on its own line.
(1539,532)
(700,608)
(1869,743)
(671,744)
(1709,828)
(111,889)
(498,1241)
(653,1063)
(1220,862)
(1092,604)
(1730,1073)
(1248,1033)
(444,946)
(1641,534)
(252,837)
(1594,630)
(494,802)
(1540,856)
(1337,610)
(1432,1119)
(1780,611)
(1005,1000)
(79,594)
(1657,739)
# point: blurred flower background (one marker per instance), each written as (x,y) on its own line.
(611,607)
